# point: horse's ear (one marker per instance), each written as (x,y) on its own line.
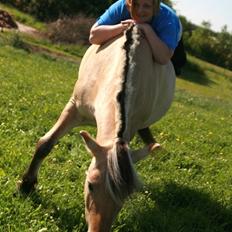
(90,142)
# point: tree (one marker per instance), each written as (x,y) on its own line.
(224,48)
(47,10)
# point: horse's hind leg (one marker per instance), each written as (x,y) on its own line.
(146,136)
(68,119)
(148,139)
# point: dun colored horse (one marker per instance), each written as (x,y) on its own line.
(122,91)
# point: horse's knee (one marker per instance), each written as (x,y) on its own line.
(43,147)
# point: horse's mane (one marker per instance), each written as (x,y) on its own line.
(121,178)
(130,45)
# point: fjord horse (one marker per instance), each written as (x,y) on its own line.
(122,91)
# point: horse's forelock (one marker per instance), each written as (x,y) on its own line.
(122,179)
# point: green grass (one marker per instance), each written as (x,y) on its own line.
(187,186)
(42,45)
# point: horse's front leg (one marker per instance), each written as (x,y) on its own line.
(68,119)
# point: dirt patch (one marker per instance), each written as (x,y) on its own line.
(29,30)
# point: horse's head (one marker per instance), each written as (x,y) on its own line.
(110,179)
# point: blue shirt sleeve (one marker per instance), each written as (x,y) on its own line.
(114,14)
(167,26)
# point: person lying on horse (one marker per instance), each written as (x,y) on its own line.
(158,22)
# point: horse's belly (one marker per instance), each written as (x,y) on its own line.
(150,102)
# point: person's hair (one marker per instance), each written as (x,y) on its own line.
(131,6)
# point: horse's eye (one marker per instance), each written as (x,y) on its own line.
(90,187)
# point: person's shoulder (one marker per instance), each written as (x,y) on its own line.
(114,14)
(166,10)
(167,25)
(119,7)
(121,3)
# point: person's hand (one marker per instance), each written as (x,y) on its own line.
(127,23)
(143,27)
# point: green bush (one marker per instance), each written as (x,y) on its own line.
(47,10)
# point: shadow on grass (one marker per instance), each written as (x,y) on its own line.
(169,208)
(181,209)
(194,73)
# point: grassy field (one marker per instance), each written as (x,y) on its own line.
(187,186)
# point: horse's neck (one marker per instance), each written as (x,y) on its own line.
(101,78)
(106,123)
(114,120)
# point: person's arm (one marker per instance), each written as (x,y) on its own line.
(161,52)
(102,33)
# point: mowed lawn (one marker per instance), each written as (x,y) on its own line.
(187,185)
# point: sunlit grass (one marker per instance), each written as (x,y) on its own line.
(204,79)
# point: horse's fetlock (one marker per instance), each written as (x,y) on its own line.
(27,185)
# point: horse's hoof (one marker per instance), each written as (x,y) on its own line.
(154,146)
(26,187)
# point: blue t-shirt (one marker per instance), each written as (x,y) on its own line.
(166,24)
